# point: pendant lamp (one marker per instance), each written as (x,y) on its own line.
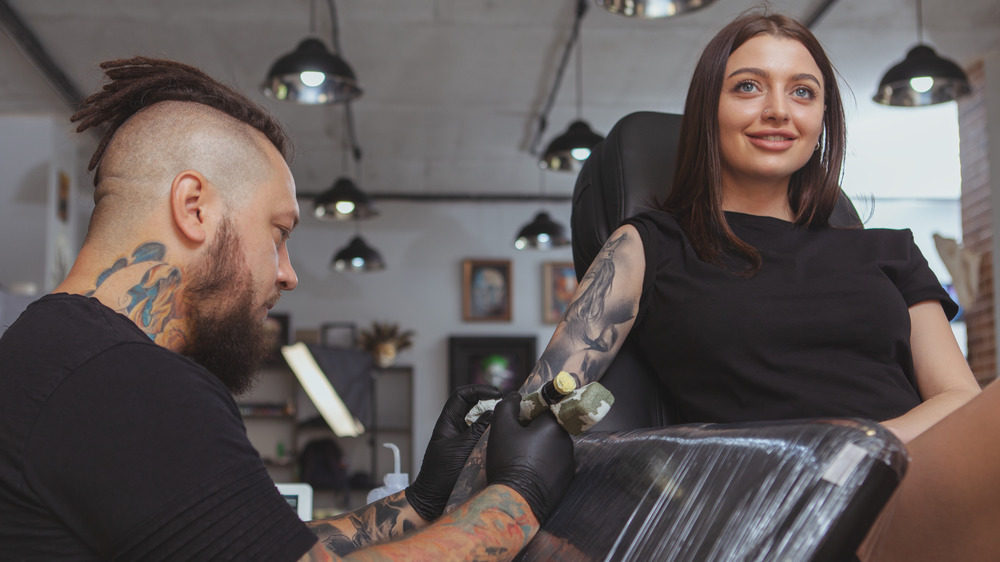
(343,201)
(542,233)
(357,256)
(923,78)
(311,74)
(650,9)
(567,151)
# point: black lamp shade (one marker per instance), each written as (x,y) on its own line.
(343,201)
(923,78)
(566,152)
(541,234)
(649,9)
(311,75)
(357,256)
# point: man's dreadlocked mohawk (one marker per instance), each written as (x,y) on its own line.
(140,82)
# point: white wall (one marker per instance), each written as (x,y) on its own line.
(33,150)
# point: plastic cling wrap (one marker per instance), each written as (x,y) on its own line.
(805,490)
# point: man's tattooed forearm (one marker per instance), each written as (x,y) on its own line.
(472,479)
(376,523)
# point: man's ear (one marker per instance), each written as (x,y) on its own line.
(189,199)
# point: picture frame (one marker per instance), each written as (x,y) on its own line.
(279,333)
(338,334)
(558,286)
(60,237)
(486,290)
(501,361)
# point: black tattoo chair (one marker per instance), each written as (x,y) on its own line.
(625,173)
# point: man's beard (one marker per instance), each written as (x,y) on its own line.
(224,334)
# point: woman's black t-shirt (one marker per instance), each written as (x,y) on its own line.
(822,329)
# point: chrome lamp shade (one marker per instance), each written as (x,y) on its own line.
(651,9)
(343,201)
(566,152)
(357,256)
(923,78)
(541,233)
(311,75)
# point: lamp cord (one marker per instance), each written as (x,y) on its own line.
(312,17)
(920,22)
(352,135)
(343,147)
(581,10)
(579,76)
(541,187)
(334,26)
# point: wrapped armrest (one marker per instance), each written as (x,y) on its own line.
(801,490)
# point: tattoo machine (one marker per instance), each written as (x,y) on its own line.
(576,409)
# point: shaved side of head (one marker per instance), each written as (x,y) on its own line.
(156,144)
(160,118)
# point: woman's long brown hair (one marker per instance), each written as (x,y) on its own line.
(695,198)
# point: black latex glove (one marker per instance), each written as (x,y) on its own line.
(535,460)
(451,442)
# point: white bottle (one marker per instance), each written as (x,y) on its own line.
(394,482)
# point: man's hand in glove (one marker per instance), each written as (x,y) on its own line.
(535,460)
(451,442)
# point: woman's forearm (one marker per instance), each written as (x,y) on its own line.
(948,503)
(928,413)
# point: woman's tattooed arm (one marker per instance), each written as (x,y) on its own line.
(600,315)
(587,338)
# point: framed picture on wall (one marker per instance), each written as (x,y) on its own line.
(500,361)
(278,326)
(558,286)
(486,290)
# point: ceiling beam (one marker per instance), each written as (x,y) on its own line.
(28,43)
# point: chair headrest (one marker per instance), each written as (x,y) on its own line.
(628,171)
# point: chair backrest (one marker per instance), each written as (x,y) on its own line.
(626,173)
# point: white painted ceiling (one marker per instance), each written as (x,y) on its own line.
(452,88)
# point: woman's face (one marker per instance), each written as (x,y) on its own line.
(770,111)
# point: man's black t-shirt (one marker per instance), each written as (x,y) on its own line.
(822,329)
(112,447)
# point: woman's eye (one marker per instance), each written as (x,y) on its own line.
(804,92)
(746,87)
